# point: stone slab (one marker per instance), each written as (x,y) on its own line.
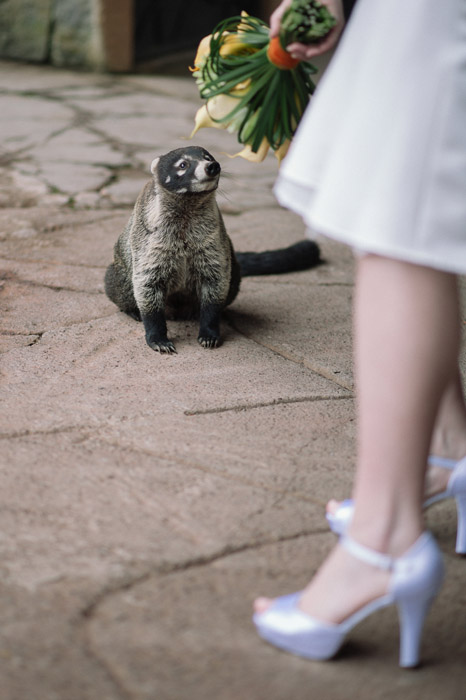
(54,236)
(138,512)
(198,621)
(312,325)
(136,380)
(146,500)
(74,178)
(78,146)
(26,120)
(32,309)
(247,444)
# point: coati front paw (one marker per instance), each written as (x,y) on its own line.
(209,341)
(162,346)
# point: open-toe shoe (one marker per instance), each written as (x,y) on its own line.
(414,582)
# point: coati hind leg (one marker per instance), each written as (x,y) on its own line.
(120,290)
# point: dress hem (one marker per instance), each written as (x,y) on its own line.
(377,248)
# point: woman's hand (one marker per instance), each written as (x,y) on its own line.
(305,51)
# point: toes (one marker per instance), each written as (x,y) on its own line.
(163,347)
(332,506)
(209,341)
(261,604)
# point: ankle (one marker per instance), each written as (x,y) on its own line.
(388,535)
(449,443)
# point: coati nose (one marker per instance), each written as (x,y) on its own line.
(212,169)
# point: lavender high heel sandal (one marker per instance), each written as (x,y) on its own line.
(415,580)
(456,488)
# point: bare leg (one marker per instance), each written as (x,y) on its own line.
(406,343)
(449,438)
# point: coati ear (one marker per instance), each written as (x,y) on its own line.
(153,165)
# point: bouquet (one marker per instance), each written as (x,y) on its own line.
(251,85)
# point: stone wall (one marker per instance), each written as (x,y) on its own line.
(90,34)
(25,29)
(61,32)
(75,39)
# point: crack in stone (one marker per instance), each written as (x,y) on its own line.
(166,569)
(177,459)
(89,612)
(191,464)
(54,288)
(50,431)
(264,404)
(13,334)
(317,369)
(48,261)
(96,660)
(289,283)
(64,326)
(35,340)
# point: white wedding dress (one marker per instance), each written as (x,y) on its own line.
(379,159)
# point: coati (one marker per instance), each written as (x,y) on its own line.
(175,258)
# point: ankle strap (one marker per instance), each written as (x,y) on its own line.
(442,462)
(369,556)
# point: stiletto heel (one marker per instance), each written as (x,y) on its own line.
(412,614)
(415,579)
(456,488)
(461,526)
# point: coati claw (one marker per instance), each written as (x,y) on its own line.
(164,348)
(209,342)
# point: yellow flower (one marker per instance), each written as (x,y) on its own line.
(251,155)
(203,50)
(214,110)
(202,120)
(231,44)
(248,154)
(281,152)
(243,26)
(242,88)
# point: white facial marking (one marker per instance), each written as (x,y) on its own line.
(167,179)
(182,190)
(201,181)
(200,173)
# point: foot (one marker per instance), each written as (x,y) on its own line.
(310,625)
(341,586)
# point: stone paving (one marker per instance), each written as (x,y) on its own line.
(145,499)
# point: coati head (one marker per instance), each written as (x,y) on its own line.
(187,170)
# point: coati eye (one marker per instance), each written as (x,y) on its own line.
(183,165)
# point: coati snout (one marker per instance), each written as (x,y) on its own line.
(186,170)
(175,258)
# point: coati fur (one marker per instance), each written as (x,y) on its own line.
(175,259)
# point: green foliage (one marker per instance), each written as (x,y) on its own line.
(305,21)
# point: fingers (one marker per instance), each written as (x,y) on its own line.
(276,16)
(305,52)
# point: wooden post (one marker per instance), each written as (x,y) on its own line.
(117,27)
